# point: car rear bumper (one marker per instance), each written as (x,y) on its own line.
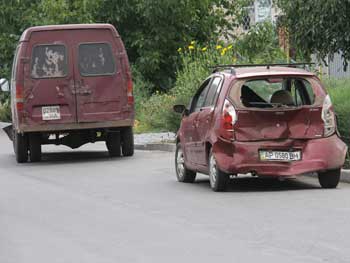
(317,155)
(75,126)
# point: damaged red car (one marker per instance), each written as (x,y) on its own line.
(269,121)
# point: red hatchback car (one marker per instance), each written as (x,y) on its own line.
(267,120)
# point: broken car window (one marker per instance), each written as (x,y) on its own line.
(49,61)
(96,59)
(268,93)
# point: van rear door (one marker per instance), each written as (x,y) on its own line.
(49,94)
(100,80)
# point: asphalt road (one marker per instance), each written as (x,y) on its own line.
(81,206)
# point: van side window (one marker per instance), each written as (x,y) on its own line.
(49,61)
(14,65)
(96,59)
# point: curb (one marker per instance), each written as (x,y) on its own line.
(345,176)
(164,147)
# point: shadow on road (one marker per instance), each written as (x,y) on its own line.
(253,184)
(49,158)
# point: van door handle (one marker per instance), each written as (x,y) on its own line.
(85,92)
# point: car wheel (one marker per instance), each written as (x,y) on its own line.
(20,146)
(330,178)
(218,179)
(182,173)
(35,147)
(128,142)
(113,144)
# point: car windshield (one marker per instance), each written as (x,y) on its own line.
(277,92)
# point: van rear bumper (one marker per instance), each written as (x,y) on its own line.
(47,127)
(317,155)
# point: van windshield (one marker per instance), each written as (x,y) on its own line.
(49,61)
(277,92)
(96,59)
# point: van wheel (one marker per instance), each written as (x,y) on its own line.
(218,179)
(128,142)
(35,147)
(113,144)
(330,178)
(182,173)
(20,146)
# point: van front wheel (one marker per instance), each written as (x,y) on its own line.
(20,146)
(128,142)
(35,147)
(113,144)
(330,178)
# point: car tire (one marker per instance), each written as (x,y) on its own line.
(329,179)
(218,179)
(183,174)
(35,148)
(113,144)
(20,146)
(127,141)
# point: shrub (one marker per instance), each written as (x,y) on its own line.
(197,62)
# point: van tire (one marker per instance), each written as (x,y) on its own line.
(35,147)
(183,174)
(329,179)
(218,179)
(128,141)
(113,144)
(20,146)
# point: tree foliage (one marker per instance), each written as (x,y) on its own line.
(318,26)
(152,30)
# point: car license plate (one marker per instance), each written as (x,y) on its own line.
(282,156)
(51,113)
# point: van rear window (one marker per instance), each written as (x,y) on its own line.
(96,59)
(49,61)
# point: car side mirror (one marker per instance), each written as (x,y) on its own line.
(181,109)
(4,84)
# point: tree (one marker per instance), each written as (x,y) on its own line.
(153,30)
(318,26)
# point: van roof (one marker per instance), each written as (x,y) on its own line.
(27,33)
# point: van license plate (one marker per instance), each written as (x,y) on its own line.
(51,113)
(280,156)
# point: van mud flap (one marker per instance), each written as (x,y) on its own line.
(9,131)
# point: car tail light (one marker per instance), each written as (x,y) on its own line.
(229,118)
(19,98)
(328,116)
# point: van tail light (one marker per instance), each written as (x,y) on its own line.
(130,89)
(19,98)
(229,118)
(328,116)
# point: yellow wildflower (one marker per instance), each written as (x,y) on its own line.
(229,47)
(223,52)
(190,47)
(204,49)
(193,42)
(218,47)
(179,49)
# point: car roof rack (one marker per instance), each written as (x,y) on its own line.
(232,67)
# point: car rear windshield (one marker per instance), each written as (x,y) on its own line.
(96,59)
(277,92)
(49,61)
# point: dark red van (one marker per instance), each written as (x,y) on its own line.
(268,121)
(71,85)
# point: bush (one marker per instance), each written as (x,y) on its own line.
(197,61)
(339,90)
